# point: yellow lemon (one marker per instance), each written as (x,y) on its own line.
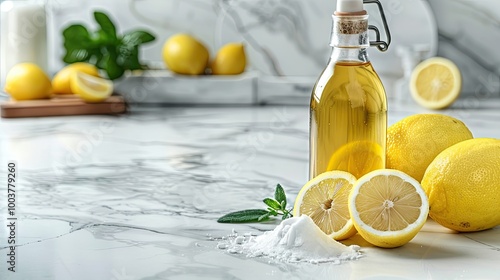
(27,81)
(415,141)
(388,208)
(358,158)
(324,199)
(90,88)
(61,81)
(184,54)
(463,185)
(436,83)
(230,60)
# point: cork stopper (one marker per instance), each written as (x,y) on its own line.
(351,25)
(347,19)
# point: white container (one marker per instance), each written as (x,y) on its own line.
(23,35)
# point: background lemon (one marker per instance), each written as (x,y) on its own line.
(324,199)
(184,54)
(230,60)
(388,207)
(415,141)
(436,83)
(61,81)
(27,81)
(463,185)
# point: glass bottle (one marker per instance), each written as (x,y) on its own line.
(348,117)
(23,34)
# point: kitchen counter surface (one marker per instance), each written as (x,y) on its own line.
(137,197)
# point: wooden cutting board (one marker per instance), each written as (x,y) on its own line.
(68,105)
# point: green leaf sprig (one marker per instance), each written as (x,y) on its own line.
(104,47)
(275,206)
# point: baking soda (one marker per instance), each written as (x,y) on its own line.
(294,240)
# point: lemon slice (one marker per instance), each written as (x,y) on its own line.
(358,158)
(324,199)
(436,83)
(61,83)
(388,207)
(91,89)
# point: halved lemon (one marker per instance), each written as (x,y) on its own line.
(61,83)
(358,158)
(91,89)
(324,199)
(436,83)
(388,207)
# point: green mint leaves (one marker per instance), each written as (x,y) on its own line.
(104,47)
(275,206)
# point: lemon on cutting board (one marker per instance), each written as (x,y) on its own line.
(324,199)
(230,60)
(27,81)
(61,81)
(388,207)
(436,83)
(463,185)
(184,54)
(414,142)
(90,88)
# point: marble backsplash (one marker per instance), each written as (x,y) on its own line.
(290,38)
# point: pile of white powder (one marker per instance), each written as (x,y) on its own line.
(294,240)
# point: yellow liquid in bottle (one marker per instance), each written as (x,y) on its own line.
(348,120)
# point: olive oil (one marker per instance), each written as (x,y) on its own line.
(348,119)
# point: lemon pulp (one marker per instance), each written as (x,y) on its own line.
(388,207)
(436,83)
(324,199)
(91,89)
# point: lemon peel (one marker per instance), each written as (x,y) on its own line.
(184,54)
(462,185)
(230,60)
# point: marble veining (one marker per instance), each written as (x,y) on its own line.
(468,32)
(137,196)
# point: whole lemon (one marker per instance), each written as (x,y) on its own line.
(415,141)
(230,60)
(463,185)
(184,54)
(61,81)
(27,81)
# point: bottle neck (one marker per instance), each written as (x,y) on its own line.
(350,38)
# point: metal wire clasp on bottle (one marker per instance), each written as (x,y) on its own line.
(381,45)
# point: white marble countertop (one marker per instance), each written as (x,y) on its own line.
(137,197)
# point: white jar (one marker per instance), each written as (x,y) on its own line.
(23,36)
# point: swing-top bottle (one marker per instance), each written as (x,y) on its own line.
(348,117)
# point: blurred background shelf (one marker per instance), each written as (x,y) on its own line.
(249,88)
